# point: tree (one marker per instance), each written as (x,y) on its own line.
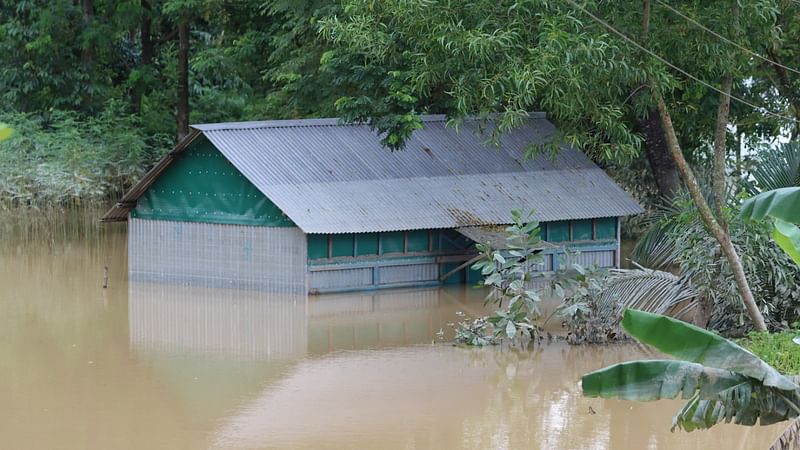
(585,71)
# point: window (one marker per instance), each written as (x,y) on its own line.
(317,246)
(582,230)
(606,228)
(342,245)
(366,244)
(558,231)
(392,242)
(417,241)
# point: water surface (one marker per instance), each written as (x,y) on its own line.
(156,366)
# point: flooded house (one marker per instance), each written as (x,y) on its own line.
(315,206)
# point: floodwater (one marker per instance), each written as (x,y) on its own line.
(149,366)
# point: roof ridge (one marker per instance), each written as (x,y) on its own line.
(326,122)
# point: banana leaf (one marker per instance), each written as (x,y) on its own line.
(783,204)
(658,379)
(787,236)
(694,344)
(715,395)
(743,404)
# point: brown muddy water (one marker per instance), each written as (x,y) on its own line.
(147,366)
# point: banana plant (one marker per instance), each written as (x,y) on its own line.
(722,381)
(782,206)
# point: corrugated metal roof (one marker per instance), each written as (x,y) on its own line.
(337,178)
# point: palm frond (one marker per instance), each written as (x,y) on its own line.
(656,248)
(649,290)
(778,167)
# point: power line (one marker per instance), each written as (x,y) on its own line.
(723,38)
(676,68)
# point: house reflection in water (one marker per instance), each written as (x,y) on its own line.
(238,324)
(262,326)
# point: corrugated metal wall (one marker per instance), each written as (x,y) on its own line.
(248,325)
(233,256)
(371,273)
(322,280)
(603,258)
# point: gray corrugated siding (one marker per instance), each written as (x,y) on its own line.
(235,256)
(340,279)
(409,273)
(248,325)
(372,273)
(603,258)
(332,178)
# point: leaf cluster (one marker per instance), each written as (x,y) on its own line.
(508,276)
(722,381)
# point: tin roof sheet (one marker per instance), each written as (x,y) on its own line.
(337,178)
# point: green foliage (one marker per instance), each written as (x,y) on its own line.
(783,207)
(507,275)
(592,300)
(477,58)
(780,350)
(677,240)
(682,340)
(72,159)
(474,332)
(471,57)
(721,380)
(777,167)
(587,318)
(71,74)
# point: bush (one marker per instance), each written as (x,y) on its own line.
(67,158)
(777,349)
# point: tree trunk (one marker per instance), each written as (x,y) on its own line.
(87,53)
(655,146)
(720,147)
(706,214)
(148,45)
(662,165)
(148,51)
(182,116)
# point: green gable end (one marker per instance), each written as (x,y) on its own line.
(203,186)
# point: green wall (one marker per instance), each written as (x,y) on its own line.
(203,186)
(393,243)
(398,243)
